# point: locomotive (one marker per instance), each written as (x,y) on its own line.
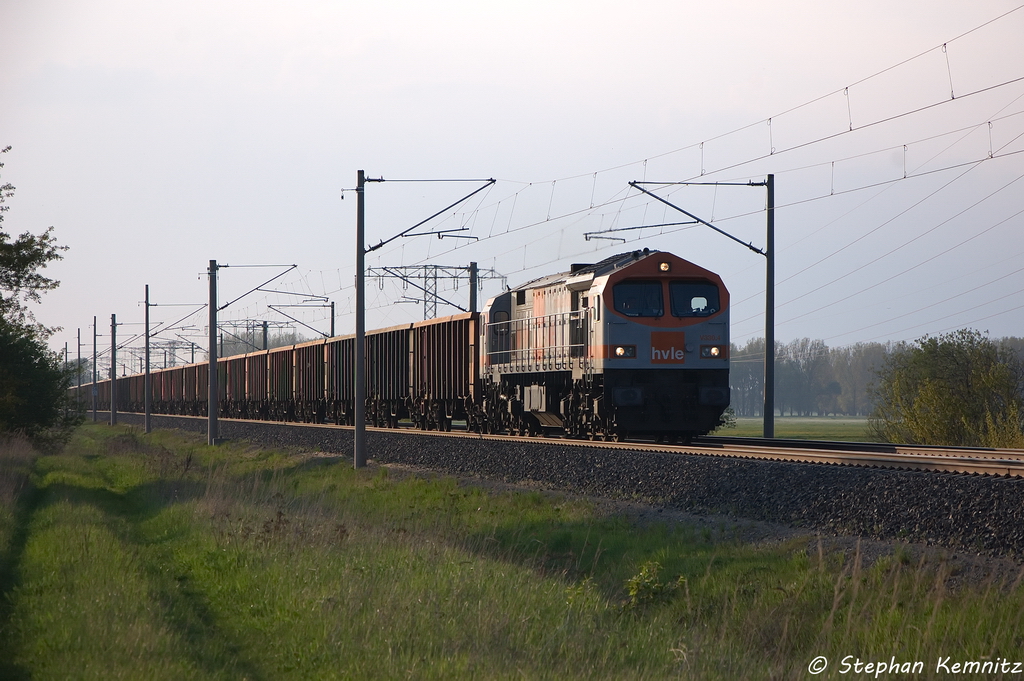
(634,346)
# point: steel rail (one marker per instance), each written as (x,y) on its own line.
(977,462)
(961,460)
(877,447)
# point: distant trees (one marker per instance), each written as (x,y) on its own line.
(33,381)
(854,368)
(956,389)
(746,376)
(961,388)
(253,341)
(810,378)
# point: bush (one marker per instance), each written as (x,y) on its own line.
(34,396)
(955,389)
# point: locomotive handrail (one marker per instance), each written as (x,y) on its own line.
(540,341)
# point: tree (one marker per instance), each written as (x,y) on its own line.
(746,376)
(804,375)
(20,262)
(956,389)
(854,367)
(34,396)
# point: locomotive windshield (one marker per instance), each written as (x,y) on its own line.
(693,298)
(639,298)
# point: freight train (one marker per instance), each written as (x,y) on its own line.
(634,346)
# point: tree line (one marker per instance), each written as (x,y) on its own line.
(253,342)
(813,379)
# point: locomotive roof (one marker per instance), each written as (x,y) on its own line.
(603,267)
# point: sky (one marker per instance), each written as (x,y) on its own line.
(155,137)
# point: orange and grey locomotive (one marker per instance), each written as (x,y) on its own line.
(636,345)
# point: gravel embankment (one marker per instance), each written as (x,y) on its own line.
(970,513)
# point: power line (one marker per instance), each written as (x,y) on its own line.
(593,209)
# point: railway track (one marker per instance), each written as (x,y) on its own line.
(965,460)
(878,491)
(962,460)
(975,461)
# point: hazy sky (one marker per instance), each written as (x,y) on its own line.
(156,136)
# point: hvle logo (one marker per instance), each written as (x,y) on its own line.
(670,354)
(668,347)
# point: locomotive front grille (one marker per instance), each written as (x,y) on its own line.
(660,400)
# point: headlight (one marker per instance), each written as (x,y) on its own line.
(625,351)
(712,351)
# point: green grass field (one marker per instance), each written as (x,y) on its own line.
(150,557)
(841,428)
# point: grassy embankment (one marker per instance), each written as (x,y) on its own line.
(153,557)
(848,429)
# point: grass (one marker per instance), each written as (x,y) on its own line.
(133,556)
(15,471)
(842,428)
